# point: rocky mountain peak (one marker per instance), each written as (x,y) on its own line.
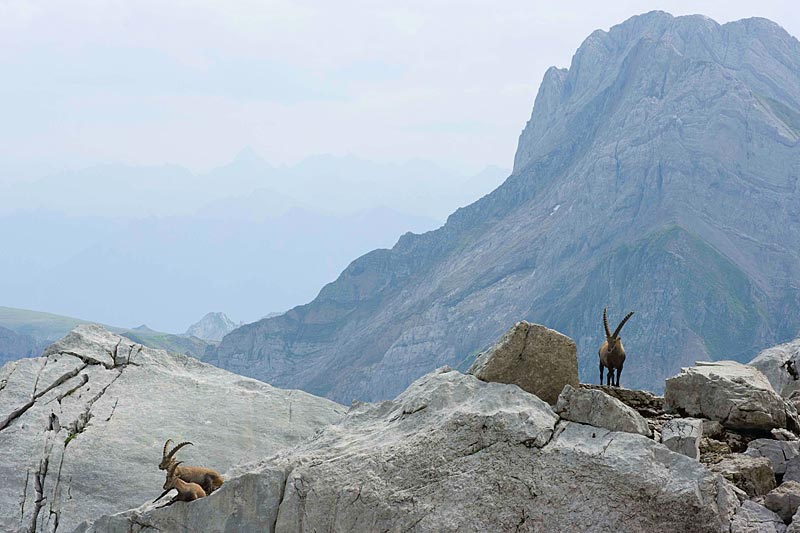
(212,327)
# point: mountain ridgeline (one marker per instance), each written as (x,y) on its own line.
(659,173)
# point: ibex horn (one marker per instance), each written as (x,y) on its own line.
(176,448)
(166,444)
(605,322)
(616,331)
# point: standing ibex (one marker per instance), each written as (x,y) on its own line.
(187,492)
(612,354)
(207,478)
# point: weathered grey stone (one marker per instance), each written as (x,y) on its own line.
(751,474)
(778,452)
(755,518)
(453,453)
(682,435)
(792,472)
(712,429)
(783,434)
(643,402)
(770,362)
(596,408)
(784,500)
(89,440)
(736,395)
(540,360)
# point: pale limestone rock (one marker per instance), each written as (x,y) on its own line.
(751,474)
(784,500)
(596,408)
(770,362)
(755,518)
(736,395)
(778,452)
(540,360)
(453,453)
(682,435)
(103,406)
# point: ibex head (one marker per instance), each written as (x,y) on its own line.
(613,339)
(169,483)
(167,457)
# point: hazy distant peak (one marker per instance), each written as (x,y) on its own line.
(212,327)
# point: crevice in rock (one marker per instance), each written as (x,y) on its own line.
(84,381)
(90,361)
(283,489)
(113,408)
(38,485)
(21,410)
(24,495)
(82,421)
(4,381)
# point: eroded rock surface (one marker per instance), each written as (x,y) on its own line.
(540,360)
(455,453)
(736,395)
(83,426)
(755,518)
(596,408)
(751,474)
(784,500)
(682,435)
(778,452)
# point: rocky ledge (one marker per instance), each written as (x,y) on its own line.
(82,427)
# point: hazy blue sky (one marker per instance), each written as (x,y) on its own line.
(192,83)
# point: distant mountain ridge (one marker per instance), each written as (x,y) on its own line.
(212,327)
(659,173)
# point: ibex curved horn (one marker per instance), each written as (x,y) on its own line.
(176,448)
(616,331)
(166,445)
(171,471)
(605,322)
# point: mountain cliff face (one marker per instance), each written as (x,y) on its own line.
(659,173)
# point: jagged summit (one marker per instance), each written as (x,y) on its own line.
(657,174)
(212,327)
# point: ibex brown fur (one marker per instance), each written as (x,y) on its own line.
(207,478)
(612,354)
(187,492)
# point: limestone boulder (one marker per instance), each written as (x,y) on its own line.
(453,453)
(784,500)
(736,395)
(682,435)
(755,518)
(537,359)
(596,408)
(771,363)
(792,472)
(82,427)
(778,452)
(751,474)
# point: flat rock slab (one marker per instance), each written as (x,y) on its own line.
(751,474)
(537,359)
(643,402)
(736,395)
(84,425)
(755,518)
(453,453)
(682,435)
(596,408)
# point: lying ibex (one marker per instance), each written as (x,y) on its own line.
(187,492)
(612,354)
(207,478)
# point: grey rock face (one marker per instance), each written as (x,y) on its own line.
(784,500)
(453,453)
(539,360)
(792,472)
(754,518)
(596,408)
(778,452)
(682,435)
(770,363)
(212,327)
(736,395)
(751,474)
(628,190)
(82,427)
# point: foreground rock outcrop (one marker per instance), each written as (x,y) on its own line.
(455,453)
(538,359)
(82,427)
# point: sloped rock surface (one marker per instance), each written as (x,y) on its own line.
(755,518)
(540,360)
(83,426)
(455,453)
(784,500)
(770,363)
(736,395)
(596,408)
(778,452)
